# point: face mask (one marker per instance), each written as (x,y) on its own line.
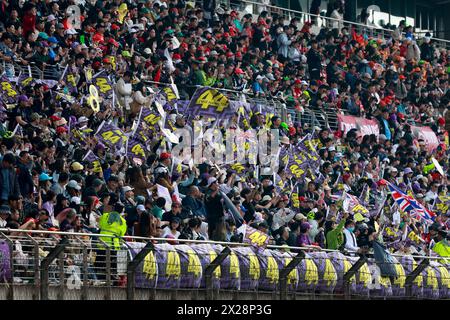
(351,229)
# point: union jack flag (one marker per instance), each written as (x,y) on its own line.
(408,204)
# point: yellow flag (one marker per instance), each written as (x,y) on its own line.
(358,217)
(123,10)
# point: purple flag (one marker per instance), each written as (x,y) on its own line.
(92,158)
(70,79)
(208,102)
(103,84)
(8,92)
(136,150)
(110,135)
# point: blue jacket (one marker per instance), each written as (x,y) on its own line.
(9,183)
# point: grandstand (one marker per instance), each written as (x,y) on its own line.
(349,200)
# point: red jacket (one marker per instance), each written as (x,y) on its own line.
(29,23)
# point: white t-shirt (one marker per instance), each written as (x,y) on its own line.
(93,220)
(166,232)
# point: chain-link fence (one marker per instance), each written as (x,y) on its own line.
(54,265)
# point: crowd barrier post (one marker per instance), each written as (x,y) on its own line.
(10,294)
(131,269)
(36,266)
(108,268)
(350,273)
(284,273)
(57,251)
(413,275)
(84,292)
(210,269)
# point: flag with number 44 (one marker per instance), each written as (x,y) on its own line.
(258,239)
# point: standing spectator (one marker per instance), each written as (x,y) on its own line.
(314,61)
(284,42)
(214,206)
(9,183)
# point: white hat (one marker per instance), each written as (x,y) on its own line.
(211,180)
(394,169)
(303,82)
(74,185)
(71,31)
(148,51)
(266,198)
(82,119)
(127,188)
(51,18)
(332,148)
(258,217)
(161,170)
(76,200)
(285,140)
(259,77)
(140,207)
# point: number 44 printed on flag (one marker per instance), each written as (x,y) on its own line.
(256,238)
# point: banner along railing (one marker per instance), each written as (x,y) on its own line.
(68,264)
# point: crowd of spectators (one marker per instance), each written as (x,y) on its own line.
(400,81)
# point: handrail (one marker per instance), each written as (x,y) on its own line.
(332,19)
(314,15)
(192,241)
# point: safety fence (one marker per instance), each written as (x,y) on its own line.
(74,263)
(320,21)
(47,72)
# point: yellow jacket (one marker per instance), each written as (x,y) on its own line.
(112,223)
(442,249)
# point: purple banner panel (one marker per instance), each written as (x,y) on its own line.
(398,283)
(380,287)
(207,254)
(409,264)
(308,274)
(341,265)
(191,267)
(283,259)
(327,272)
(249,268)
(5,262)
(147,271)
(363,278)
(430,283)
(169,266)
(269,271)
(230,272)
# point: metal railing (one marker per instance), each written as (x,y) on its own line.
(59,265)
(288,113)
(321,21)
(49,72)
